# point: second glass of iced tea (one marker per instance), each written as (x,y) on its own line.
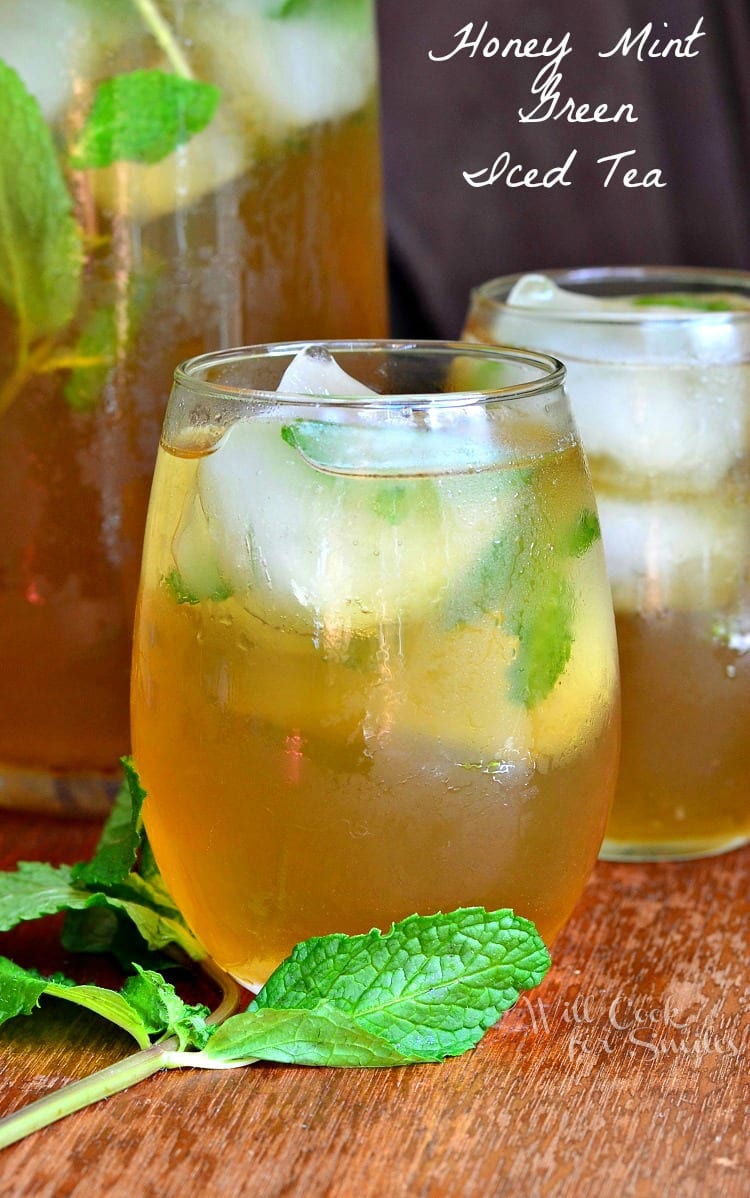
(659,375)
(374,668)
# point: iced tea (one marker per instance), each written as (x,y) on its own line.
(264,224)
(375,668)
(659,378)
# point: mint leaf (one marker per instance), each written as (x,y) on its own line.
(324,1036)
(163,1012)
(35,889)
(336,10)
(41,252)
(582,535)
(183,594)
(430,987)
(21,989)
(143,117)
(543,623)
(392,502)
(92,358)
(529,593)
(692,301)
(118,845)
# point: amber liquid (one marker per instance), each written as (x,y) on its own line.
(684,784)
(682,607)
(293,249)
(300,784)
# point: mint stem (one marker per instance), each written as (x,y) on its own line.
(120,1076)
(83,1093)
(155,22)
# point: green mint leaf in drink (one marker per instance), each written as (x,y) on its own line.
(163,1012)
(143,117)
(430,987)
(584,532)
(350,11)
(543,624)
(120,840)
(692,301)
(92,358)
(211,586)
(40,243)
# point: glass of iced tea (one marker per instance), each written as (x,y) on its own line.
(374,668)
(178,175)
(659,376)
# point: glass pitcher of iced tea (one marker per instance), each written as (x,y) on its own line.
(177,175)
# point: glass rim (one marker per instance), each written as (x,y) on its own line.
(552,374)
(719,278)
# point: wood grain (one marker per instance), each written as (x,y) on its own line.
(624,1074)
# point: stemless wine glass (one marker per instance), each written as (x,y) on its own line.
(374,668)
(659,379)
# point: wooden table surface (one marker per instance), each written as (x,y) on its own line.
(624,1074)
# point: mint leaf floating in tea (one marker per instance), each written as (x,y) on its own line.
(430,988)
(692,302)
(40,242)
(143,117)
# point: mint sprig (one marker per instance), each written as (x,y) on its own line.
(41,246)
(427,989)
(143,117)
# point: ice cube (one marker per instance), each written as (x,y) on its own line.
(314,371)
(674,555)
(685,426)
(333,549)
(653,398)
(285,73)
(46,43)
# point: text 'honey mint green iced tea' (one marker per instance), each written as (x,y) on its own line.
(374,669)
(659,378)
(176,175)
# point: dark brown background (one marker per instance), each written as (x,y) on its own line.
(446,117)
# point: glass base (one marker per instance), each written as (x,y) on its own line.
(674,850)
(74,796)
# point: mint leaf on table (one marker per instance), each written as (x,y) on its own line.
(429,988)
(324,1036)
(146,1005)
(163,1011)
(118,845)
(143,117)
(41,253)
(21,989)
(35,889)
